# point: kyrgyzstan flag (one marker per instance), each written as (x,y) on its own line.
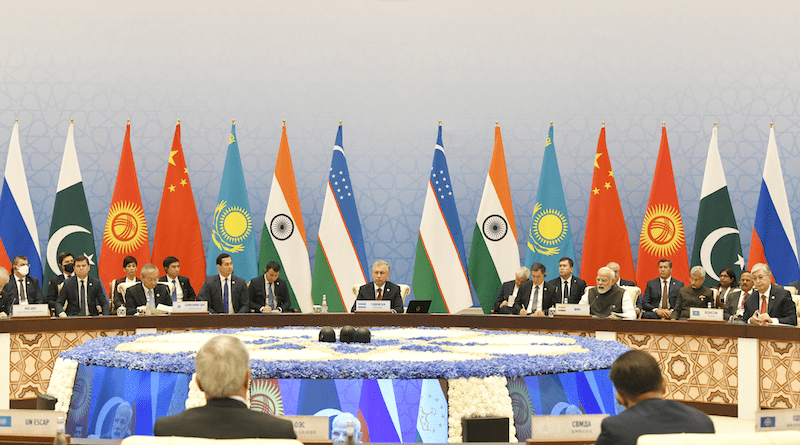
(662,230)
(126,230)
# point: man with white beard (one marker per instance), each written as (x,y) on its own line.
(607,299)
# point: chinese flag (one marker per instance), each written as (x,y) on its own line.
(662,230)
(606,237)
(177,228)
(126,230)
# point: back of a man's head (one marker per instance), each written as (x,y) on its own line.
(221,365)
(635,373)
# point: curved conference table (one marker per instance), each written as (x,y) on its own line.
(719,368)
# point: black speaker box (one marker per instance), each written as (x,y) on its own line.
(484,429)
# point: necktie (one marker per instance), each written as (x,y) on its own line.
(150,298)
(763,304)
(664,302)
(380,294)
(82,295)
(23,296)
(225,297)
(741,301)
(270,295)
(535,300)
(565,298)
(174,290)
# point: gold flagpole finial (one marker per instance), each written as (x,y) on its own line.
(179,121)
(715,124)
(663,124)
(233,122)
(604,124)
(70,121)
(129,121)
(770,125)
(340,122)
(551,123)
(284,123)
(440,122)
(496,123)
(16,120)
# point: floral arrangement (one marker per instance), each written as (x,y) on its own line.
(62,381)
(474,397)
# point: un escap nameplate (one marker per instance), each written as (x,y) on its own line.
(28,422)
(706,314)
(567,427)
(373,306)
(573,310)
(190,307)
(30,310)
(310,428)
(778,419)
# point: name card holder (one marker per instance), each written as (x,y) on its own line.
(310,428)
(28,422)
(373,306)
(778,420)
(190,307)
(572,310)
(30,310)
(706,314)
(567,428)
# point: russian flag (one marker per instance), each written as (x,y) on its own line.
(773,239)
(18,234)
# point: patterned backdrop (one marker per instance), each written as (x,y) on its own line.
(390,70)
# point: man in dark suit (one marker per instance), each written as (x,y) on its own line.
(734,304)
(82,293)
(640,389)
(182,288)
(21,289)
(223,373)
(226,293)
(616,268)
(148,290)
(381,289)
(567,287)
(771,304)
(511,291)
(67,264)
(540,295)
(268,292)
(4,279)
(653,304)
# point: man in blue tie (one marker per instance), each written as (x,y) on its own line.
(268,292)
(226,293)
(181,287)
(148,291)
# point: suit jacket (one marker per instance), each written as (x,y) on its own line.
(32,290)
(652,416)
(391,292)
(626,282)
(779,305)
(224,418)
(186,287)
(95,296)
(257,294)
(732,302)
(136,296)
(505,293)
(548,297)
(577,287)
(52,290)
(116,296)
(212,292)
(651,298)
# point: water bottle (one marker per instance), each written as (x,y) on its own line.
(710,304)
(350,440)
(61,436)
(324,304)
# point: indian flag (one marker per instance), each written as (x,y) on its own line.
(440,272)
(341,261)
(283,238)
(494,257)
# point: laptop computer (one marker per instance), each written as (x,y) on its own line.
(418,307)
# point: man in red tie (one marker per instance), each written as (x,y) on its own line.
(734,304)
(380,288)
(770,304)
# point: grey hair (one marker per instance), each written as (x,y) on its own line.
(221,365)
(523,272)
(382,263)
(758,266)
(606,270)
(697,271)
(147,268)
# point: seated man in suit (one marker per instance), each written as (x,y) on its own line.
(181,287)
(223,373)
(640,389)
(567,287)
(226,293)
(770,303)
(268,292)
(22,289)
(694,295)
(616,268)
(537,297)
(734,304)
(381,289)
(661,294)
(84,294)
(511,291)
(607,299)
(148,291)
(66,262)
(130,266)
(4,279)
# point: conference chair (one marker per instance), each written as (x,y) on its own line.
(405,290)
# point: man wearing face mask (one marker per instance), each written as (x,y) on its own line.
(22,289)
(607,299)
(67,264)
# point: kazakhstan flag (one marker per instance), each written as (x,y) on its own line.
(232,232)
(550,238)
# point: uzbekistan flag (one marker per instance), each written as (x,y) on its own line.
(439,269)
(283,238)
(340,239)
(773,239)
(494,257)
(18,234)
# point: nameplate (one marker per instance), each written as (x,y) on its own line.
(373,306)
(310,428)
(706,314)
(27,422)
(30,310)
(779,419)
(573,310)
(190,307)
(567,428)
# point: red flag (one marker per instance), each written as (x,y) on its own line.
(126,230)
(606,237)
(662,230)
(178,228)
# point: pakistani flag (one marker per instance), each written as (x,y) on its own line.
(716,240)
(494,257)
(71,228)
